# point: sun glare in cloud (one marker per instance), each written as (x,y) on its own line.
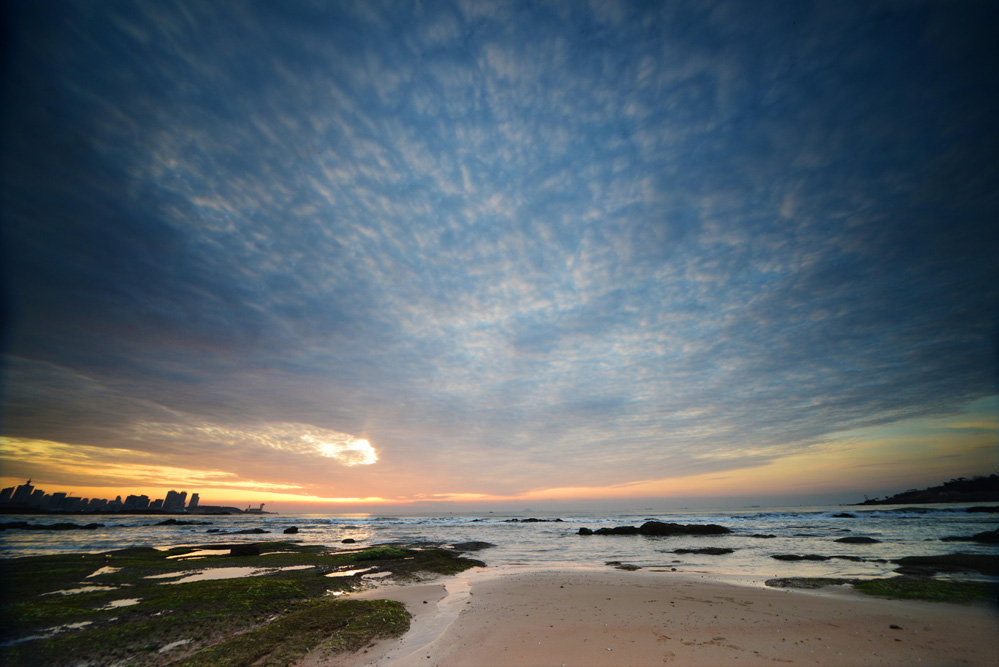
(352,452)
(293,438)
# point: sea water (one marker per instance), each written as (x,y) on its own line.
(553,541)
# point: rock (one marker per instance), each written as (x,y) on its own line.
(659,528)
(986,510)
(585,531)
(710,551)
(988,537)
(628,567)
(213,530)
(803,582)
(245,550)
(844,515)
(618,530)
(762,536)
(987,564)
(802,557)
(349,540)
(533,520)
(175,522)
(290,530)
(472,546)
(15,525)
(612,562)
(858,540)
(895,627)
(250,531)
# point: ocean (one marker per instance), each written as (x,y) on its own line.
(553,540)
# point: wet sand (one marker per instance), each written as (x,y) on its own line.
(581,617)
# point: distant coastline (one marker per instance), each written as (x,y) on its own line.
(959,490)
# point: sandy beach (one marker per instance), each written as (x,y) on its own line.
(588,617)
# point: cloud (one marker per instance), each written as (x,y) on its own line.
(584,243)
(294,439)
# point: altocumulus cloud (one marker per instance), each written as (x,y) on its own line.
(583,242)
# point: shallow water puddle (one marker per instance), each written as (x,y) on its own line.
(216,573)
(49,633)
(349,573)
(83,589)
(104,570)
(116,604)
(376,575)
(172,645)
(201,553)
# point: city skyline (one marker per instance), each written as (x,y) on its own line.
(505,254)
(26,496)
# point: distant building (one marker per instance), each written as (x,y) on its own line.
(174,500)
(156,504)
(22,493)
(194,501)
(6,494)
(136,502)
(55,501)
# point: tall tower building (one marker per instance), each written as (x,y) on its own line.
(194,501)
(23,492)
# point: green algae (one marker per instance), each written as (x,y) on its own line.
(904,588)
(202,614)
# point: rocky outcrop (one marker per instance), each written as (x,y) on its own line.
(472,546)
(858,540)
(24,525)
(532,520)
(245,550)
(988,537)
(708,551)
(660,529)
(290,530)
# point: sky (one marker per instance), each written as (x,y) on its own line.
(465,254)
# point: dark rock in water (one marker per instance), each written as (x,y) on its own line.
(213,530)
(709,551)
(803,582)
(802,557)
(533,520)
(176,522)
(290,530)
(612,562)
(762,536)
(984,510)
(245,550)
(349,540)
(894,627)
(988,537)
(617,530)
(660,529)
(250,531)
(628,567)
(472,546)
(666,529)
(15,525)
(986,564)
(844,515)
(858,540)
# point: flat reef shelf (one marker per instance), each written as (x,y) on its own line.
(144,606)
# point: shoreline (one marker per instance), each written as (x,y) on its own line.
(546,616)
